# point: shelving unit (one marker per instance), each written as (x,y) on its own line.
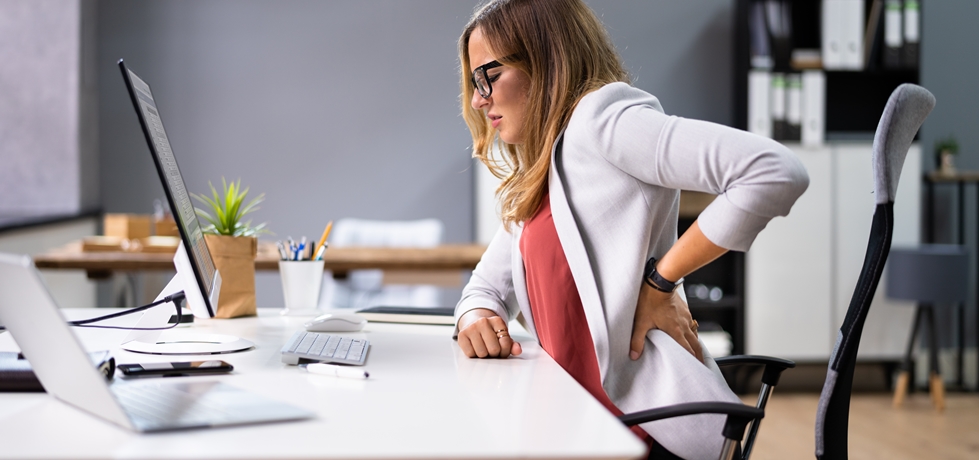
(854,99)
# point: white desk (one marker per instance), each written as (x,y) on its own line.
(424,399)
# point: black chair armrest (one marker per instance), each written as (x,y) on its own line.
(773,366)
(738,415)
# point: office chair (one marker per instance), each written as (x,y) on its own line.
(739,416)
(906,110)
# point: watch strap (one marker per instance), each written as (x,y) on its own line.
(656,281)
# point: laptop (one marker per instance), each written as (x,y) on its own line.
(30,314)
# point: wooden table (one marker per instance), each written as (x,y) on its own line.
(100,265)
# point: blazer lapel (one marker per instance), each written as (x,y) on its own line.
(574,251)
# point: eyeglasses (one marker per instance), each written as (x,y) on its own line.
(482,81)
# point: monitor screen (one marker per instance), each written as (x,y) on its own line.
(173,183)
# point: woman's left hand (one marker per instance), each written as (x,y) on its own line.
(668,313)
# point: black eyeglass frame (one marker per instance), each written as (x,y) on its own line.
(481,71)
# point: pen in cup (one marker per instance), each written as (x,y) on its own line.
(337,371)
(321,244)
(305,250)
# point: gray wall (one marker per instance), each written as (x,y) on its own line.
(681,52)
(333,109)
(950,70)
(347,108)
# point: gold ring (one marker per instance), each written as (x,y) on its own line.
(500,330)
(502,335)
(695,325)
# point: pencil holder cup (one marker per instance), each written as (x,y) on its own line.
(301,281)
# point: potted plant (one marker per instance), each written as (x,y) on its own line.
(233,245)
(945,150)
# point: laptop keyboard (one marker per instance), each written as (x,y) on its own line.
(163,406)
(171,405)
(319,347)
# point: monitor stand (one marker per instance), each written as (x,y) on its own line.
(181,341)
(189,343)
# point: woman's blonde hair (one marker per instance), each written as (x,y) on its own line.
(564,49)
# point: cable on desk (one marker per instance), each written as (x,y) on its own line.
(177,299)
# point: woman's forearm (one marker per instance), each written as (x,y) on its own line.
(692,251)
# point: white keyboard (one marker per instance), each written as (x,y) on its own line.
(325,348)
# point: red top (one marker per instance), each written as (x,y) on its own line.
(556,307)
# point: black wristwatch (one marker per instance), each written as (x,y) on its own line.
(656,281)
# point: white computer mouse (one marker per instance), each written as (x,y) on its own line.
(336,322)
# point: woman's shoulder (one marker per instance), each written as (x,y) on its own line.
(601,108)
(614,97)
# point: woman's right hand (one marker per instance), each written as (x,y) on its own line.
(483,334)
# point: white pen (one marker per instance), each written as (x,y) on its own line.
(337,371)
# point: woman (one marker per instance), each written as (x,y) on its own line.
(588,257)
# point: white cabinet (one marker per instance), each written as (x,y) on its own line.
(787,273)
(802,269)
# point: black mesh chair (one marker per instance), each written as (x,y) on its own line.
(906,109)
(740,417)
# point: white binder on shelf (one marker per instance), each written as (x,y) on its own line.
(893,34)
(759,108)
(912,33)
(852,29)
(793,107)
(843,28)
(832,11)
(777,99)
(813,107)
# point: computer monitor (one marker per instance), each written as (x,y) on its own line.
(205,276)
(196,274)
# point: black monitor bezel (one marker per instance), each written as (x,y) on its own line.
(201,284)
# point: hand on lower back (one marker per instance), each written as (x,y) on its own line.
(668,313)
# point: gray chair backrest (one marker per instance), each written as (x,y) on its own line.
(904,113)
(906,110)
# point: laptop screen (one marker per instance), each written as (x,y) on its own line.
(173,183)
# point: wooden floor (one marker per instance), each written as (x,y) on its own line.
(877,431)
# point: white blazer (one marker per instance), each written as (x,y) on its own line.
(614,183)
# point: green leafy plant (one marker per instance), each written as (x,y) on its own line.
(948,144)
(225,211)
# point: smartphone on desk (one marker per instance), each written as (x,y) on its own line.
(179,369)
